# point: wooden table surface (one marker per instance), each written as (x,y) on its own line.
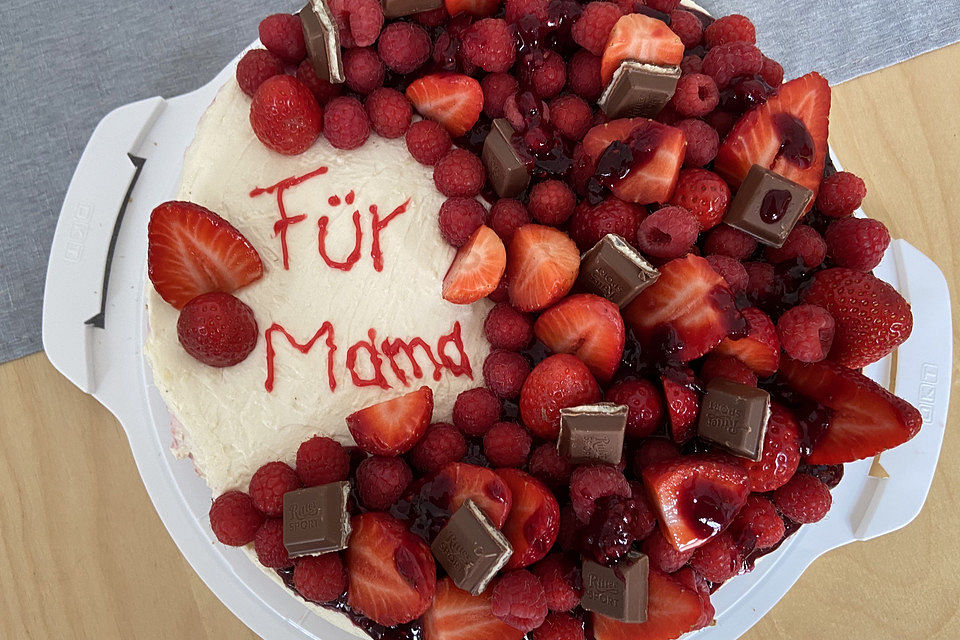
(84,555)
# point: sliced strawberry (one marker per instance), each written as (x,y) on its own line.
(392,573)
(558,382)
(760,349)
(191,250)
(457,615)
(692,580)
(458,482)
(476,8)
(639,37)
(865,418)
(392,427)
(656,152)
(452,99)
(686,312)
(534,519)
(476,269)
(673,609)
(589,327)
(695,497)
(788,134)
(872,318)
(542,265)
(683,402)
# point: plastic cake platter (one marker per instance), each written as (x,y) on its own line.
(94,327)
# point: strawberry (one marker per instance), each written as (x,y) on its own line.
(589,327)
(476,8)
(458,482)
(217,329)
(780,454)
(392,573)
(285,115)
(639,37)
(692,580)
(865,418)
(788,134)
(872,318)
(673,609)
(686,312)
(457,615)
(542,265)
(656,154)
(392,427)
(452,99)
(683,402)
(704,194)
(476,269)
(558,382)
(760,348)
(695,497)
(534,519)
(191,250)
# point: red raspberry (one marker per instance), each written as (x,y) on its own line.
(320,578)
(506,216)
(732,28)
(507,444)
(282,35)
(571,114)
(509,329)
(719,559)
(571,529)
(758,525)
(654,450)
(691,64)
(551,202)
(804,499)
(687,27)
(490,44)
(217,329)
(381,480)
(857,243)
(590,223)
(592,29)
(727,241)
(722,121)
(255,67)
(663,6)
(441,444)
(725,62)
(646,520)
(761,281)
(322,460)
(518,599)
(841,194)
(459,173)
(321,89)
(703,142)
(806,332)
(389,111)
(696,95)
(363,70)
(781,453)
(358,21)
(772,72)
(562,584)
(504,373)
(234,519)
(727,368)
(345,124)
(560,626)
(475,411)
(427,142)
(516,9)
(590,483)
(732,271)
(583,75)
(497,87)
(645,408)
(268,543)
(804,245)
(548,465)
(662,554)
(501,293)
(268,485)
(547,76)
(404,46)
(285,116)
(668,233)
(433,17)
(459,218)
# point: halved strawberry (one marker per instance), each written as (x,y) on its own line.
(458,482)
(639,37)
(191,250)
(534,519)
(392,427)
(457,615)
(542,265)
(476,8)
(477,268)
(589,327)
(788,134)
(686,312)
(452,99)
(393,576)
(760,348)
(695,497)
(657,153)
(673,609)
(865,418)
(558,382)
(683,402)
(693,580)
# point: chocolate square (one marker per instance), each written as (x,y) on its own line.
(618,592)
(471,549)
(639,90)
(316,519)
(506,168)
(735,416)
(615,270)
(323,40)
(592,433)
(397,8)
(767,206)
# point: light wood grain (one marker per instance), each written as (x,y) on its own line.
(84,555)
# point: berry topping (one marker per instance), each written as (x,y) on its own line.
(323,90)
(490,44)
(508,329)
(381,480)
(268,545)
(504,373)
(453,100)
(345,123)
(645,407)
(459,219)
(507,444)
(477,268)
(476,8)
(730,242)
(285,116)
(641,38)
(320,578)
(282,35)
(393,426)
(806,332)
(857,243)
(517,598)
(322,460)
(268,485)
(459,173)
(546,76)
(590,483)
(726,62)
(558,382)
(234,519)
(256,67)
(475,411)
(672,609)
(363,70)
(217,329)
(358,21)
(781,452)
(840,195)
(534,520)
(457,615)
(561,581)
(542,267)
(404,46)
(668,233)
(389,112)
(441,445)
(589,327)
(456,483)
(427,142)
(592,30)
(551,202)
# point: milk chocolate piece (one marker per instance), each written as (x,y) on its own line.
(323,40)
(618,592)
(398,8)
(505,167)
(735,416)
(767,206)
(471,549)
(639,90)
(592,433)
(615,270)
(316,519)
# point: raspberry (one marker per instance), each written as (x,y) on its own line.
(568,538)
(268,485)
(758,524)
(561,581)
(687,27)
(506,216)
(358,21)
(475,411)
(696,95)
(583,75)
(389,111)
(320,578)
(497,87)
(459,173)
(560,626)
(727,241)
(590,223)
(645,408)
(691,64)
(268,543)
(857,243)
(234,519)
(427,142)
(592,29)
(441,444)
(548,465)
(518,599)
(781,453)
(345,124)
(507,444)
(551,202)
(516,9)
(381,480)
(662,554)
(592,482)
(404,46)
(668,233)
(363,70)
(571,114)
(703,142)
(321,89)
(584,167)
(547,76)
(217,329)
(806,332)
(663,6)
(722,121)
(840,195)
(490,44)
(732,271)
(725,62)
(654,450)
(804,499)
(509,329)
(501,293)
(728,368)
(285,116)
(772,72)
(719,559)
(282,35)
(761,282)
(433,17)
(504,373)
(732,28)
(322,460)
(459,218)
(803,245)
(255,67)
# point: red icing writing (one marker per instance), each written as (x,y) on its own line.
(281,226)
(392,348)
(326,329)
(378,379)
(351,260)
(378,226)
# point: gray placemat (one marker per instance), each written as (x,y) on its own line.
(66,64)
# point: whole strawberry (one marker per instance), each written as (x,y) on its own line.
(285,116)
(217,329)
